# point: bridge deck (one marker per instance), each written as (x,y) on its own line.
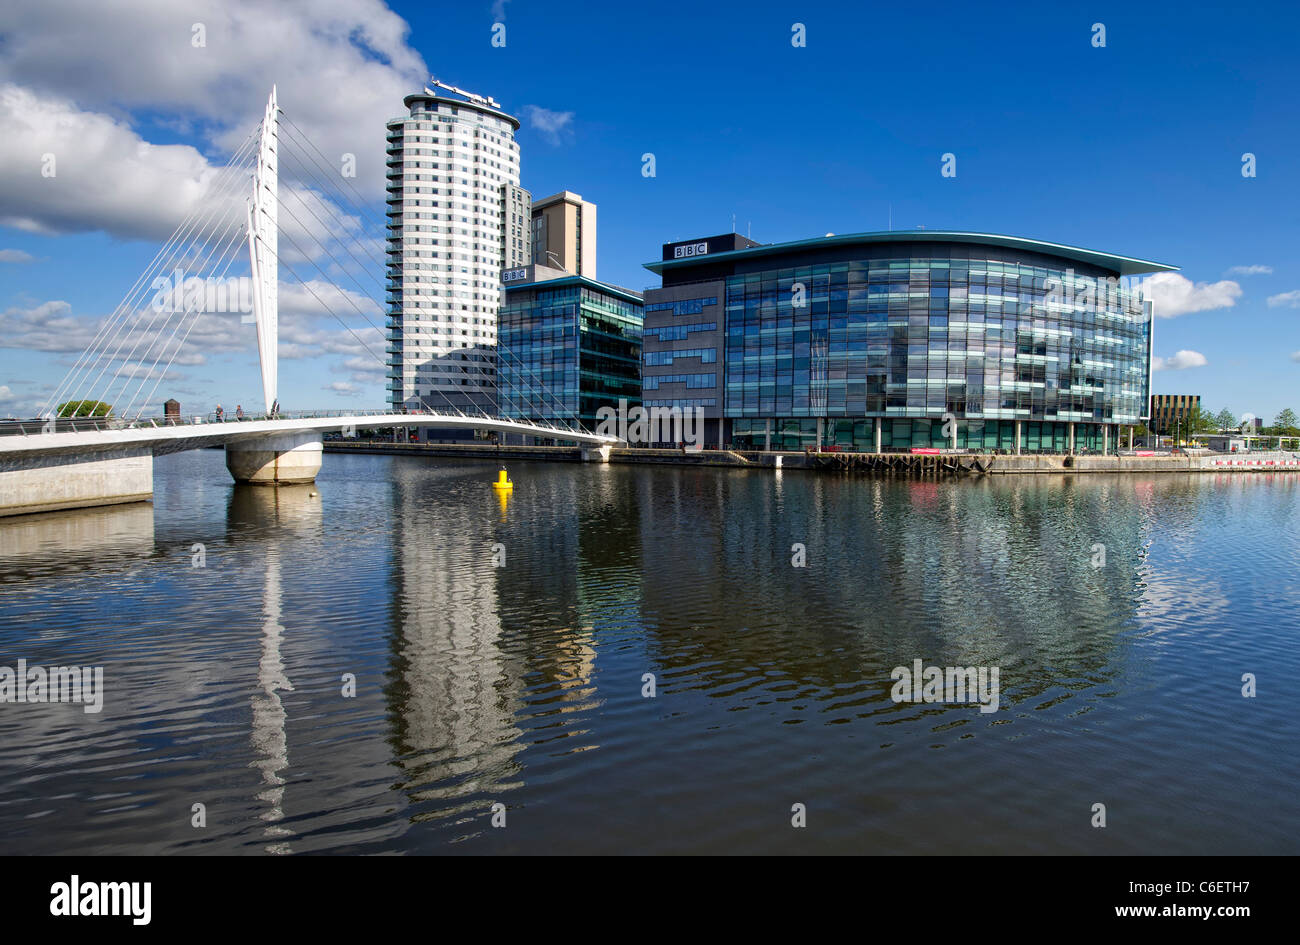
(187,436)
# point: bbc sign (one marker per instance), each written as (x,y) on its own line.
(690,249)
(514,275)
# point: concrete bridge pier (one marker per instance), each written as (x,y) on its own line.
(279,459)
(47,483)
(596,454)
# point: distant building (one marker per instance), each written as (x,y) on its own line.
(1170,410)
(569,345)
(564,233)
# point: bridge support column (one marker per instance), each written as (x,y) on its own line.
(279,459)
(596,454)
(46,483)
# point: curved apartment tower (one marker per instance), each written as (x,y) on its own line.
(456,217)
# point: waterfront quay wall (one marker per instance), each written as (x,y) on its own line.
(902,464)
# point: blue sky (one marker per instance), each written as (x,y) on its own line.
(1134,148)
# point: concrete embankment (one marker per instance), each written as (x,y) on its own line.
(895,464)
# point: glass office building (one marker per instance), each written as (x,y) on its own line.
(889,341)
(568,346)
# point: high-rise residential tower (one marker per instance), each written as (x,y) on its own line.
(564,233)
(456,217)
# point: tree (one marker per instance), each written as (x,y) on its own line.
(1197,421)
(1285,423)
(1225,420)
(1204,421)
(84,408)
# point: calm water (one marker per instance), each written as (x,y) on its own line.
(522,684)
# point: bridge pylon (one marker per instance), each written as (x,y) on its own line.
(264,250)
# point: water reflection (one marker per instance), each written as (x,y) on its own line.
(521,683)
(281,516)
(53,542)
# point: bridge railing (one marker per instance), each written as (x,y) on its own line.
(40,425)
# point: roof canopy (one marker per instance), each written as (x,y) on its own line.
(1123,265)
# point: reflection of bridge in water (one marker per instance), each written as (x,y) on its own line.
(56,463)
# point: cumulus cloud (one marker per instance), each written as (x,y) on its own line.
(343,387)
(68,170)
(552,126)
(341,67)
(1172,295)
(1250,271)
(15,256)
(72,171)
(144,345)
(1288,299)
(1180,361)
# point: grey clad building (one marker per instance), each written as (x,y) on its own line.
(683,335)
(901,340)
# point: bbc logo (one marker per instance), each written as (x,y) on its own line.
(690,249)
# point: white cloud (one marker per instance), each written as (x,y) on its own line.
(105,176)
(343,387)
(1172,295)
(1250,271)
(15,256)
(144,346)
(1289,299)
(552,126)
(1180,361)
(73,73)
(1295,356)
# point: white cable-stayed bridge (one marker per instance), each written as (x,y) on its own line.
(180,309)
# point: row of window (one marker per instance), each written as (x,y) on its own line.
(692,381)
(682,306)
(660,358)
(683,402)
(679,332)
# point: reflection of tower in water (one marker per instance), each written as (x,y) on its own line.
(286,513)
(456,689)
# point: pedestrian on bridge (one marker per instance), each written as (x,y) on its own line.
(221,414)
(239,411)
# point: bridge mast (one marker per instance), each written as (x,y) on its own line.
(264,250)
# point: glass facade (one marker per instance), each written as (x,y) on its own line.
(568,348)
(988,334)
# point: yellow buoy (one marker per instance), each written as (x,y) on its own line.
(503,483)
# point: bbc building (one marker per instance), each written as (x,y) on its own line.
(900,340)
